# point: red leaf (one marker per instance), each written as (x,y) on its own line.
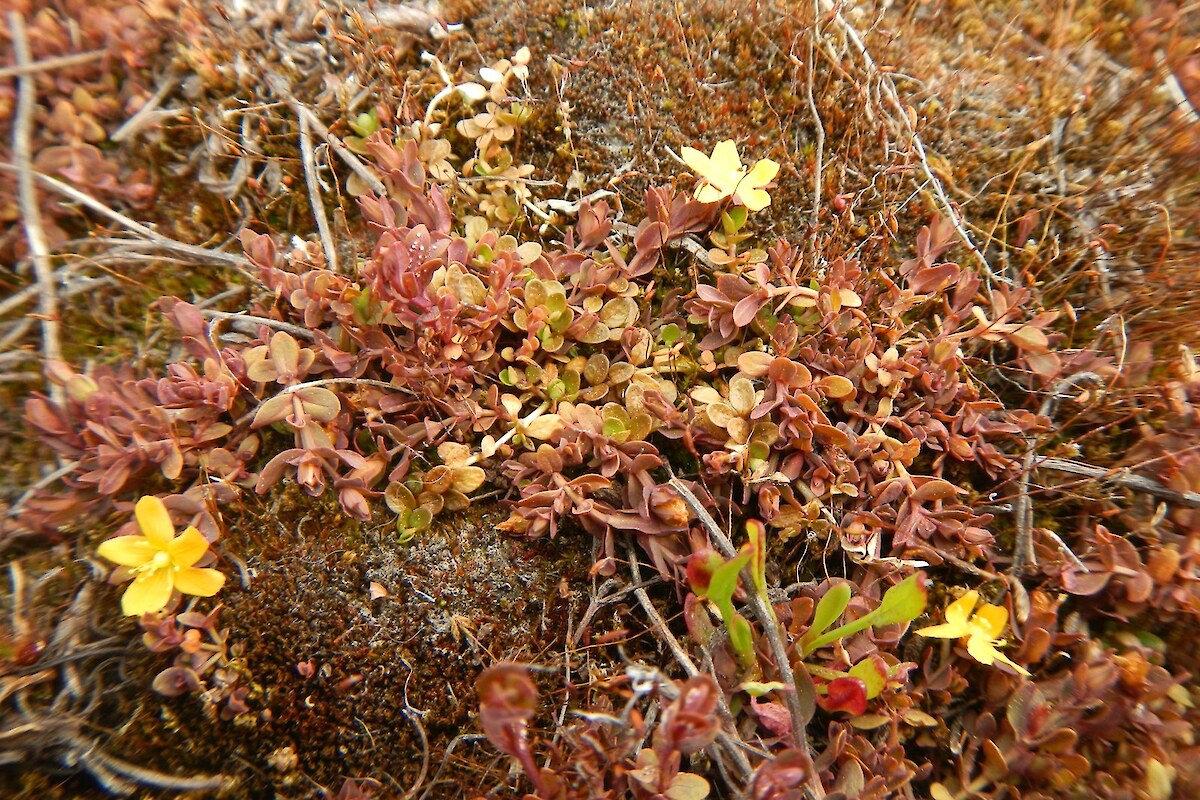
(690,723)
(936,489)
(1085,583)
(845,694)
(746,309)
(507,699)
(700,568)
(773,716)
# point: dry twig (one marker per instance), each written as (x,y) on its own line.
(1122,477)
(149,112)
(314,193)
(46,64)
(1023,553)
(284,91)
(819,155)
(31,214)
(165,242)
(659,625)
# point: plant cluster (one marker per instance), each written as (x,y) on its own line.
(206,663)
(567,371)
(484,344)
(575,375)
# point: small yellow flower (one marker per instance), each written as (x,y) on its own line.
(160,561)
(724,176)
(980,629)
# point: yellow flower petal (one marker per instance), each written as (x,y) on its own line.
(149,592)
(754,199)
(128,551)
(945,631)
(723,175)
(154,521)
(1001,657)
(991,620)
(982,649)
(696,161)
(710,194)
(762,173)
(201,582)
(958,611)
(187,548)
(726,164)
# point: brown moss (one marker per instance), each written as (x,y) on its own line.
(459,599)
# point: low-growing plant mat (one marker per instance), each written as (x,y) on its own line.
(565,400)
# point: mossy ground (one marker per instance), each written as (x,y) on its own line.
(460,598)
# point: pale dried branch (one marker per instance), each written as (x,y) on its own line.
(47,64)
(149,112)
(248,323)
(281,88)
(165,242)
(1023,553)
(314,193)
(659,626)
(31,214)
(1124,478)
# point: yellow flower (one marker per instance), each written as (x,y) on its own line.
(160,561)
(980,629)
(724,176)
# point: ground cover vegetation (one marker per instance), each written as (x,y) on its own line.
(557,400)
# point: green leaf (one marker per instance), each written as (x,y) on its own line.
(613,428)
(720,591)
(828,610)
(670,334)
(724,580)
(757,548)
(733,219)
(741,639)
(366,310)
(904,602)
(420,518)
(365,124)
